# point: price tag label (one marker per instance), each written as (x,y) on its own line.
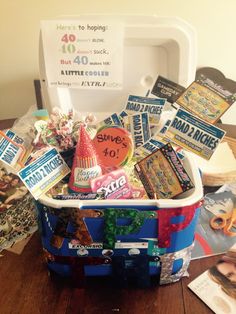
(85,54)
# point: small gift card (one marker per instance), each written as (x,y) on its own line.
(165,88)
(209,96)
(44,173)
(163,174)
(194,134)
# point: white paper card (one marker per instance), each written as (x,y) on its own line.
(84,54)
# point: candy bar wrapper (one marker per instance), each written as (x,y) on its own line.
(162,174)
(80,196)
(138,125)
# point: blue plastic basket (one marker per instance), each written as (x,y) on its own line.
(121,238)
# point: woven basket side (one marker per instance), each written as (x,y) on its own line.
(232,144)
(219,179)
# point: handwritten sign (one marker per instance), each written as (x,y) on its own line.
(114,146)
(84,54)
(44,173)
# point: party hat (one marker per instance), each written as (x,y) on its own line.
(85,164)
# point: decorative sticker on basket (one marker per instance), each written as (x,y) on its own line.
(80,196)
(84,54)
(165,88)
(194,134)
(11,149)
(168,260)
(162,174)
(112,229)
(131,245)
(166,226)
(210,95)
(140,104)
(76,217)
(44,173)
(75,245)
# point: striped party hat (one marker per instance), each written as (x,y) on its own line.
(85,164)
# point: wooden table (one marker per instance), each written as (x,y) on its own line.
(26,288)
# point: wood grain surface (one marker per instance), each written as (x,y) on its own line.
(27,288)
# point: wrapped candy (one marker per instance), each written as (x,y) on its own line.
(59,130)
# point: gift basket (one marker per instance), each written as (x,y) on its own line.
(118,192)
(124,237)
(121,237)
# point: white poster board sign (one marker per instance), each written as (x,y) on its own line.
(83,54)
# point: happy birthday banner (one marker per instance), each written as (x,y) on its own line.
(85,54)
